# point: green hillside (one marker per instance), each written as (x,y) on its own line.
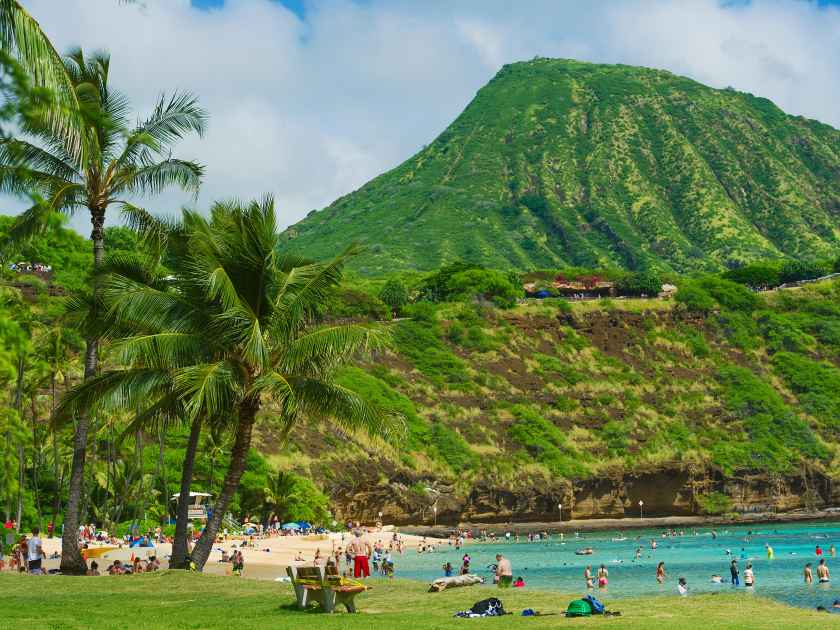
(558,162)
(720,400)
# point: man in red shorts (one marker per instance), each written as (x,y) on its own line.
(360,550)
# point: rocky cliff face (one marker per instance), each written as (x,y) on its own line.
(665,493)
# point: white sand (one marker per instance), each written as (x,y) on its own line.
(268,558)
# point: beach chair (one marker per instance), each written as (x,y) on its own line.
(326,588)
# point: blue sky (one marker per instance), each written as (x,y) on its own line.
(309,99)
(296,6)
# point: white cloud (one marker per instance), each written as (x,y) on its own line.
(310,110)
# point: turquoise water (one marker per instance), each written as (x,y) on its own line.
(696,557)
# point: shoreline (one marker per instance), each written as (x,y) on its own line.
(606,524)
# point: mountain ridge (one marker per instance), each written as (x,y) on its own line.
(559,162)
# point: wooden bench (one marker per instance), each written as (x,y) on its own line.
(323,586)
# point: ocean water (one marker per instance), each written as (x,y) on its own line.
(695,556)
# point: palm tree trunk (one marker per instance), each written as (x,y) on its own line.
(161,474)
(19,409)
(36,456)
(56,464)
(238,454)
(71,558)
(179,545)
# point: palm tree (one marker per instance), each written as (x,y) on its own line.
(116,162)
(233,332)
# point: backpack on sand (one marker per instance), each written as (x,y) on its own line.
(597,607)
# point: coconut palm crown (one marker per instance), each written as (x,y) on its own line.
(228,330)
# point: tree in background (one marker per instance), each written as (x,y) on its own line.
(648,283)
(231,335)
(109,163)
(395,295)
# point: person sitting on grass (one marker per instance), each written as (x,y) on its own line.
(116,568)
(504,571)
(94,568)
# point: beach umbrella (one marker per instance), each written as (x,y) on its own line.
(304,525)
(290,526)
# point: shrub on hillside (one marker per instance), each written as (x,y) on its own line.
(647,283)
(694,298)
(760,275)
(350,303)
(394,294)
(714,503)
(545,443)
(779,439)
(484,284)
(730,295)
(796,270)
(816,384)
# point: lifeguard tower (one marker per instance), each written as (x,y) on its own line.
(198,508)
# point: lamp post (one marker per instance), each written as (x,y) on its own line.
(641,508)
(560,507)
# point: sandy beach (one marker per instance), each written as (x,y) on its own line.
(267,559)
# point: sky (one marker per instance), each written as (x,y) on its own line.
(310,99)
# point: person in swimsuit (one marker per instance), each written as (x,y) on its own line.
(660,572)
(602,576)
(808,574)
(587,575)
(822,572)
(749,576)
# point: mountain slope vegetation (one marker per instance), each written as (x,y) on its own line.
(558,162)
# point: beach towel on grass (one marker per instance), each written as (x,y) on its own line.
(485,608)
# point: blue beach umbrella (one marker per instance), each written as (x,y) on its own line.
(304,525)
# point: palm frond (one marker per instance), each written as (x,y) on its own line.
(111,390)
(316,353)
(22,36)
(151,179)
(328,401)
(210,389)
(21,153)
(163,350)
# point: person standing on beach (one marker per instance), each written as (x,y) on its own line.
(809,576)
(360,551)
(35,552)
(733,571)
(660,572)
(587,575)
(822,572)
(504,571)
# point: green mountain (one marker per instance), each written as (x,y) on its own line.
(558,162)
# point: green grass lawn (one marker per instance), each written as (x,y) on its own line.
(178,600)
